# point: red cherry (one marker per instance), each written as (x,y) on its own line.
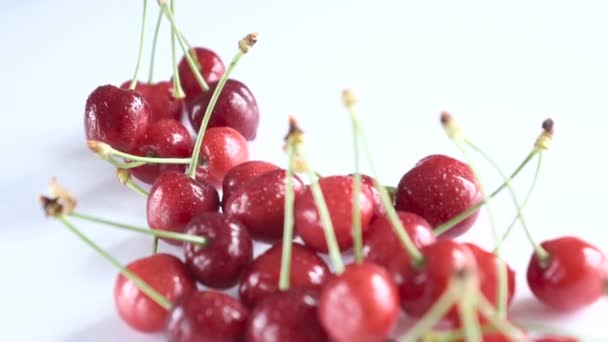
(260,204)
(439,188)
(236,107)
(211,68)
(207,316)
(164,273)
(175,199)
(229,250)
(223,148)
(382,246)
(286,316)
(338,193)
(165,138)
(361,304)
(371,183)
(573,277)
(160,98)
(118,117)
(308,271)
(243,173)
(555,338)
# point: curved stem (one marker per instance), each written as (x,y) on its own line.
(140,53)
(287,223)
(142,285)
(148,160)
(154,43)
(178,91)
(135,187)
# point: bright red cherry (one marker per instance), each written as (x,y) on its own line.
(160,98)
(370,182)
(175,199)
(438,188)
(207,316)
(286,316)
(382,246)
(118,117)
(211,68)
(260,204)
(338,194)
(241,174)
(229,250)
(164,273)
(223,148)
(574,276)
(236,107)
(361,304)
(165,138)
(308,271)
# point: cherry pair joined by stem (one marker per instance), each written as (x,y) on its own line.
(160,98)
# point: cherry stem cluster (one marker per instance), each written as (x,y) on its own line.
(140,53)
(288,221)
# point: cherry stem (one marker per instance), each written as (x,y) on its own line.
(125,165)
(501,324)
(178,91)
(467,309)
(357,230)
(105,151)
(199,240)
(154,43)
(287,222)
(150,160)
(140,53)
(135,187)
(155,245)
(140,283)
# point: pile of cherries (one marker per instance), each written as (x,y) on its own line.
(289,292)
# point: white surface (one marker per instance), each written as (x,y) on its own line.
(500,69)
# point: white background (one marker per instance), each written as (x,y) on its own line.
(499,67)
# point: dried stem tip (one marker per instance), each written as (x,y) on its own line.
(123,175)
(163,2)
(248,42)
(62,195)
(543,142)
(295,132)
(101,149)
(348,98)
(450,126)
(548,125)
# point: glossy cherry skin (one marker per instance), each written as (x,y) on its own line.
(236,107)
(361,304)
(165,138)
(163,272)
(160,98)
(223,148)
(338,194)
(260,204)
(382,246)
(286,316)
(487,267)
(228,251)
(573,277)
(118,117)
(175,199)
(243,173)
(370,182)
(211,68)
(438,188)
(207,316)
(308,271)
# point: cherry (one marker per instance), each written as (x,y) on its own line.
(308,271)
(236,107)
(260,206)
(163,272)
(573,276)
(487,267)
(207,316)
(211,68)
(361,304)
(382,246)
(228,251)
(438,188)
(118,117)
(241,174)
(555,338)
(159,97)
(370,182)
(338,193)
(286,316)
(223,148)
(175,199)
(165,138)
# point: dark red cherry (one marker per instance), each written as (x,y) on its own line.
(573,277)
(308,271)
(286,316)
(223,148)
(211,68)
(438,188)
(236,107)
(118,117)
(487,268)
(260,204)
(229,250)
(164,273)
(160,98)
(165,138)
(338,194)
(207,316)
(243,173)
(175,199)
(382,246)
(361,304)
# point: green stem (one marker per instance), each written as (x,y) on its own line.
(135,187)
(208,112)
(148,160)
(501,324)
(142,285)
(467,306)
(124,165)
(287,223)
(154,43)
(358,231)
(155,245)
(140,53)
(178,91)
